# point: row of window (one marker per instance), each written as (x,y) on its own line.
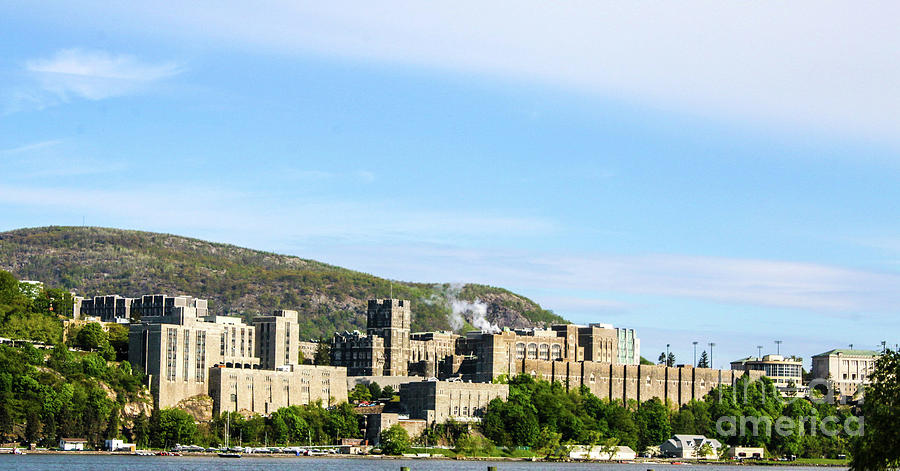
(534,351)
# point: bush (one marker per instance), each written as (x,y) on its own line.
(394,441)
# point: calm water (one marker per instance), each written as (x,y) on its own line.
(189,463)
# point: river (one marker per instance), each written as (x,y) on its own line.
(76,462)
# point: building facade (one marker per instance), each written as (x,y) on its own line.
(846,370)
(265,391)
(384,350)
(786,373)
(242,367)
(439,401)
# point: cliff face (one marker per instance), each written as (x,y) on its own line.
(236,280)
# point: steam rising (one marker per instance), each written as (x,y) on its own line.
(475,312)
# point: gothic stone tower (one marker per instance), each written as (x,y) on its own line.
(390,320)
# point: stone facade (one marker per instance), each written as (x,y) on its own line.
(438,401)
(186,355)
(308,349)
(110,308)
(846,370)
(177,355)
(385,348)
(276,339)
(265,391)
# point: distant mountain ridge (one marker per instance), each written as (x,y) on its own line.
(238,280)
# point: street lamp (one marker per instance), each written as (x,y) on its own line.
(759,352)
(695,352)
(711,345)
(667,354)
(778,342)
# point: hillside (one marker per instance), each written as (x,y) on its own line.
(236,280)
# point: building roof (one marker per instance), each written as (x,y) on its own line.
(847,351)
(680,442)
(73,440)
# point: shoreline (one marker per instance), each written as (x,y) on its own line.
(639,461)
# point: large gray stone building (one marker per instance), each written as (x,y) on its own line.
(186,353)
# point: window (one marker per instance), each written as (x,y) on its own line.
(520,350)
(545,351)
(171,353)
(532,351)
(222,343)
(200,355)
(187,354)
(556,352)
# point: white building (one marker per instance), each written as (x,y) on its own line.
(846,370)
(691,447)
(596,452)
(72,444)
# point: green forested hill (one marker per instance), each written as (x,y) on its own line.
(95,261)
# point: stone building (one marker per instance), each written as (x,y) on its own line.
(499,353)
(186,354)
(385,348)
(846,370)
(265,391)
(308,350)
(176,351)
(277,337)
(438,401)
(109,308)
(786,373)
(429,350)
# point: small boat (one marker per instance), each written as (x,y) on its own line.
(17,451)
(229,455)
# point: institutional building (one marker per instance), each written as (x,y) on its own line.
(186,353)
(844,369)
(384,350)
(439,401)
(786,373)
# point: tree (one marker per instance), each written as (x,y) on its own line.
(374,390)
(645,361)
(323,353)
(704,360)
(172,426)
(879,447)
(140,431)
(662,358)
(394,441)
(359,393)
(652,419)
(704,450)
(610,447)
(92,337)
(118,340)
(388,392)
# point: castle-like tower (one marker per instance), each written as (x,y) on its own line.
(390,319)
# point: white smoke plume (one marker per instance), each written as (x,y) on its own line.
(461,310)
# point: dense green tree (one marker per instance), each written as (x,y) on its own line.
(703,362)
(394,441)
(169,427)
(92,337)
(652,420)
(374,390)
(878,448)
(360,393)
(141,430)
(323,353)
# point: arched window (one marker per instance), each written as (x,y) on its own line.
(545,351)
(520,350)
(532,351)
(592,378)
(556,352)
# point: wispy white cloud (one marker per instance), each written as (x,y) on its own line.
(811,287)
(232,212)
(821,65)
(85,74)
(34,146)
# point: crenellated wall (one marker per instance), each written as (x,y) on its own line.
(676,385)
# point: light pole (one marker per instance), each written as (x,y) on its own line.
(695,352)
(667,354)
(883,346)
(759,351)
(851,346)
(711,345)
(778,343)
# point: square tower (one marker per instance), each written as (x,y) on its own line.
(277,339)
(390,319)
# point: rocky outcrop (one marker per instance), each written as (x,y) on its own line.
(200,407)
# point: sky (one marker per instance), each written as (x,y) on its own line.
(718,172)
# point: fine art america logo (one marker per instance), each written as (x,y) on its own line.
(783,426)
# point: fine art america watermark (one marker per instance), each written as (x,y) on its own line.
(830,426)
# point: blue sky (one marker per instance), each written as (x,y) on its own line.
(718,173)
